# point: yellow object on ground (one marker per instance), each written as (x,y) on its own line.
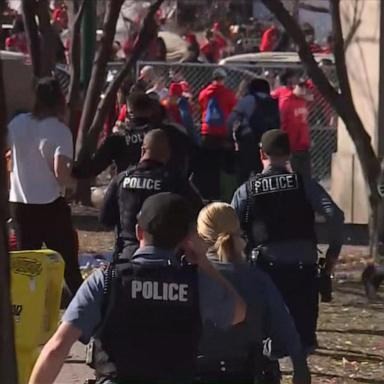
(37,281)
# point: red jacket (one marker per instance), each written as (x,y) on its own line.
(281,93)
(294,121)
(269,40)
(226,100)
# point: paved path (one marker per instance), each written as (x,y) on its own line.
(75,371)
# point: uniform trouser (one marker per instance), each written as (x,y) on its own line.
(301,163)
(51,224)
(299,288)
(248,158)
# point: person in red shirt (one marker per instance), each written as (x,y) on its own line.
(171,103)
(216,103)
(288,80)
(320,111)
(211,49)
(270,39)
(294,121)
(17,42)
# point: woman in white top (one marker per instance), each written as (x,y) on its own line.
(41,149)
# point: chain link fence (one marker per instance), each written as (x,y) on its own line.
(322,119)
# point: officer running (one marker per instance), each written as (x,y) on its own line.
(144,316)
(128,191)
(277,212)
(123,149)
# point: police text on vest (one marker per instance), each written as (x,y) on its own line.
(276,183)
(154,290)
(141,183)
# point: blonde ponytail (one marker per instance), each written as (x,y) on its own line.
(218,225)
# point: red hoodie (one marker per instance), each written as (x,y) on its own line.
(269,40)
(226,100)
(294,121)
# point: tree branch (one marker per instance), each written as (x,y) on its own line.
(32,32)
(147,33)
(97,81)
(339,51)
(48,39)
(73,97)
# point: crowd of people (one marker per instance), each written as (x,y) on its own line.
(219,39)
(197,291)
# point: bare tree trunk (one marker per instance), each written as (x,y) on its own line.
(147,33)
(29,9)
(8,367)
(74,97)
(97,81)
(49,39)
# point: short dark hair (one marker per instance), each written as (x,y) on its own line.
(167,218)
(139,102)
(287,75)
(259,85)
(275,143)
(48,96)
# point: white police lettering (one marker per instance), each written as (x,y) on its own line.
(135,138)
(277,183)
(141,183)
(153,290)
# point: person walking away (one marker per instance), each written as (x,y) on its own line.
(254,114)
(294,121)
(277,214)
(216,103)
(41,150)
(144,316)
(124,149)
(128,191)
(239,350)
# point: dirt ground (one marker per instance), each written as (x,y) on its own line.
(350,331)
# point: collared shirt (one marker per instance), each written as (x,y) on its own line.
(85,310)
(267,314)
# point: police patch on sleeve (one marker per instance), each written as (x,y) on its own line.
(273,184)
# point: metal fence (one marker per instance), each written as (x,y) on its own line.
(322,119)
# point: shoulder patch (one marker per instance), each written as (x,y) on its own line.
(273,184)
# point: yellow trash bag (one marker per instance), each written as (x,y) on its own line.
(37,281)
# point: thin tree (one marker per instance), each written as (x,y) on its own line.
(99,71)
(8,367)
(87,144)
(340,99)
(74,96)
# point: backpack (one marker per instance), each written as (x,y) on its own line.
(266,116)
(214,115)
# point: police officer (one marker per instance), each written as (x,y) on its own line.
(128,190)
(144,316)
(123,149)
(277,212)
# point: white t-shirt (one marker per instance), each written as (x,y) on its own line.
(34,144)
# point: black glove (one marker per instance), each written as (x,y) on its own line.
(325,283)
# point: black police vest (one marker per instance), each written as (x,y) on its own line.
(153,328)
(134,187)
(278,209)
(134,137)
